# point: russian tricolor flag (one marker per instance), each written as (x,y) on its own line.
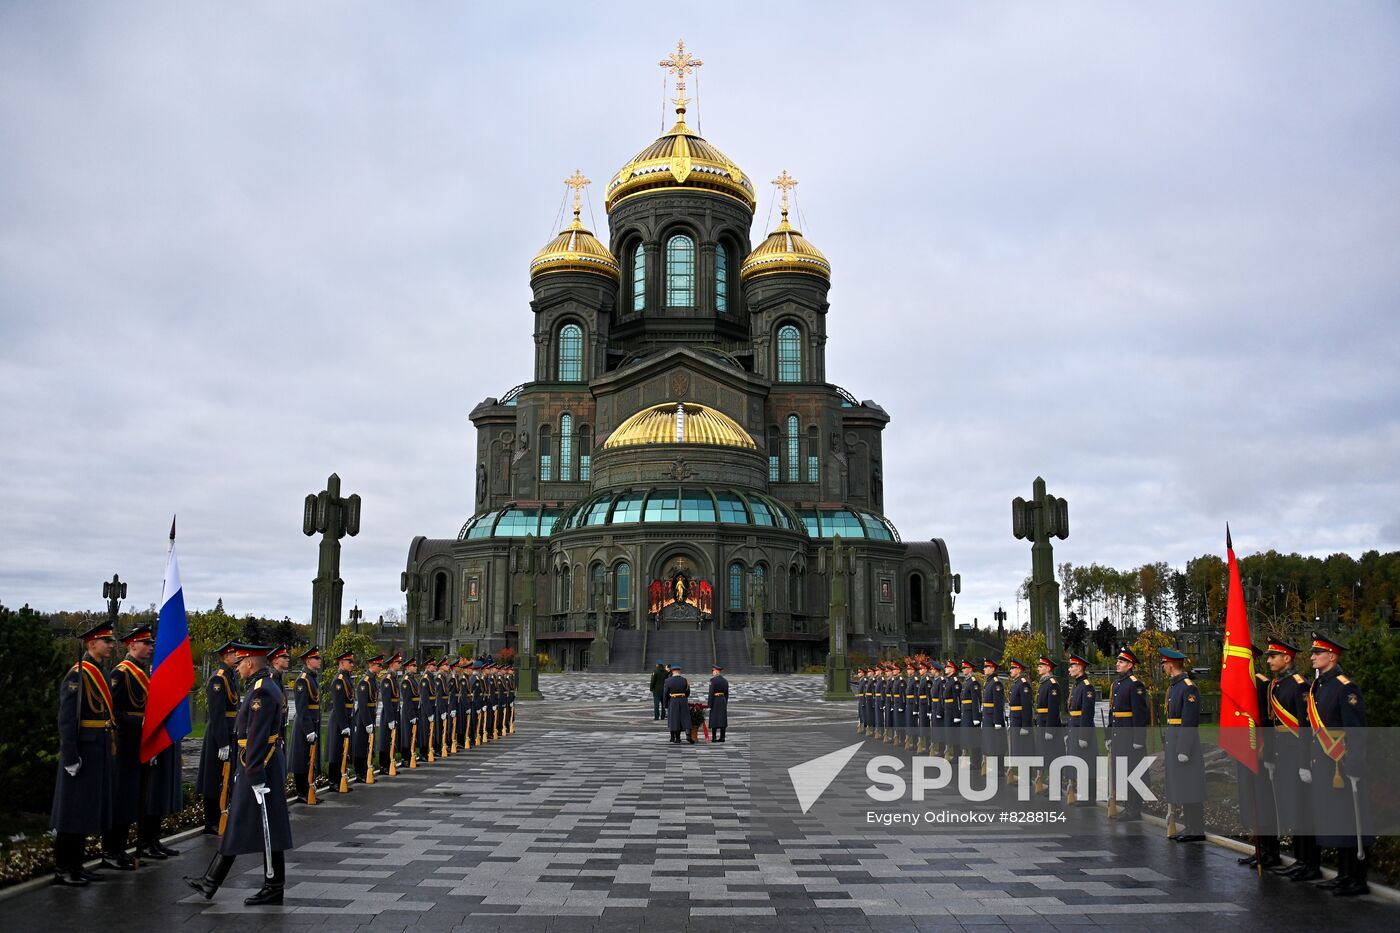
(167,718)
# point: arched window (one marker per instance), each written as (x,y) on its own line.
(571,353)
(566,448)
(916,598)
(595,587)
(721,278)
(680,272)
(736,587)
(639,277)
(793,461)
(760,585)
(774,446)
(789,354)
(622,586)
(813,454)
(793,593)
(440,595)
(546,455)
(585,453)
(566,592)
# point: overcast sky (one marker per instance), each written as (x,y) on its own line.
(1148,251)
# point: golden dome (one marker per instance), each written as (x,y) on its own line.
(682,159)
(680,423)
(575,249)
(785,250)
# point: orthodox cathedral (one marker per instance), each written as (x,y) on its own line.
(669,482)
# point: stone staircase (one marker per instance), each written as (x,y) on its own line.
(732,654)
(626,654)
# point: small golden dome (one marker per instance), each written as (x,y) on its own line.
(680,423)
(785,250)
(681,158)
(575,249)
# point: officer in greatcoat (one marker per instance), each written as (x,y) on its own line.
(1049,726)
(129,684)
(1082,735)
(342,703)
(221,706)
(1186,770)
(678,705)
(413,744)
(970,702)
(718,702)
(82,793)
(1337,717)
(258,821)
(390,711)
(993,714)
(1291,753)
(1129,718)
(366,717)
(1020,709)
(306,731)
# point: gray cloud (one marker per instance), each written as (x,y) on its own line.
(1146,252)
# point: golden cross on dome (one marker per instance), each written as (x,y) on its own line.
(785,183)
(578,183)
(680,63)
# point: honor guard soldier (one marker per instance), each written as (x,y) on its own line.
(718,701)
(860,700)
(970,701)
(428,724)
(279,660)
(678,705)
(342,719)
(414,740)
(952,708)
(1256,791)
(461,712)
(1291,753)
(257,821)
(922,716)
(129,685)
(935,708)
(82,793)
(1049,737)
(993,715)
(216,754)
(908,704)
(444,709)
(390,702)
(306,730)
(1129,718)
(366,719)
(877,704)
(162,779)
(894,696)
(476,701)
(1186,770)
(1083,738)
(452,688)
(1341,805)
(1020,704)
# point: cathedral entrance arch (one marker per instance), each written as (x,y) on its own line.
(680,593)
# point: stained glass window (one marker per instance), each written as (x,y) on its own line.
(570,353)
(622,586)
(639,277)
(566,448)
(789,354)
(736,586)
(721,279)
(793,466)
(680,272)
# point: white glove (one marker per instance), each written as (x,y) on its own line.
(370,728)
(75,767)
(393,727)
(1023,732)
(1136,746)
(1182,758)
(1083,743)
(1305,775)
(223,753)
(310,738)
(432,718)
(996,726)
(1048,736)
(345,731)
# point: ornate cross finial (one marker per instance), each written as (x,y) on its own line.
(577,182)
(785,183)
(680,63)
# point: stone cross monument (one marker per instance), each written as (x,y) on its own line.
(528,561)
(836,563)
(1038,520)
(114,591)
(333,517)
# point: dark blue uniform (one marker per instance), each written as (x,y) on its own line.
(307,694)
(342,703)
(952,713)
(1020,706)
(677,690)
(411,718)
(129,685)
(1185,768)
(261,760)
(718,702)
(390,699)
(82,803)
(1129,718)
(993,718)
(221,703)
(1049,726)
(1255,788)
(970,704)
(1336,710)
(1083,741)
(366,719)
(1291,752)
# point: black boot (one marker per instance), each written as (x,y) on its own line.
(271,891)
(211,816)
(68,861)
(213,876)
(1355,883)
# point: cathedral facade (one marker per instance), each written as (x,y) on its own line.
(671,477)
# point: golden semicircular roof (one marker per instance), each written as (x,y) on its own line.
(575,249)
(680,423)
(681,158)
(785,250)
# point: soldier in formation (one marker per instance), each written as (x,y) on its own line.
(1256,790)
(993,712)
(1185,768)
(1049,735)
(1290,755)
(342,702)
(258,820)
(414,742)
(1082,739)
(1336,773)
(1129,718)
(306,730)
(366,719)
(391,702)
(221,695)
(82,796)
(1020,706)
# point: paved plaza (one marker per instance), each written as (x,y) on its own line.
(587,819)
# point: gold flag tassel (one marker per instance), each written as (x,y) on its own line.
(1171,821)
(1337,775)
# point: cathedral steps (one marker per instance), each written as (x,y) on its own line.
(696,650)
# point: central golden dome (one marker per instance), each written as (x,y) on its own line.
(680,423)
(680,159)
